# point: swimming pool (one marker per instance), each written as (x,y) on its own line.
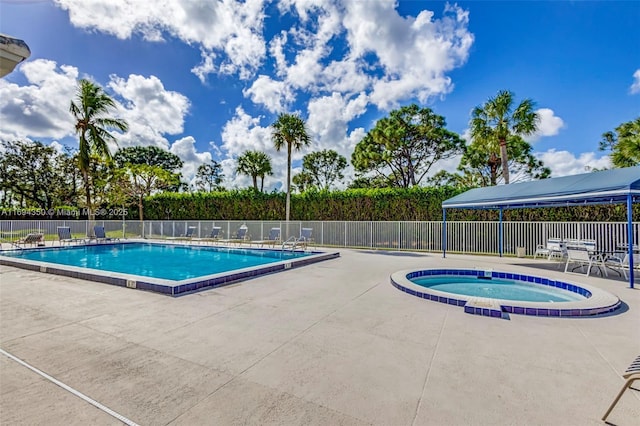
(495,293)
(166,268)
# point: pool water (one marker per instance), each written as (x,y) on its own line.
(496,288)
(165,261)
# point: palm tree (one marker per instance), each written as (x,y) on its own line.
(289,130)
(92,123)
(255,164)
(497,120)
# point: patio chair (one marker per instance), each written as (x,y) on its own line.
(271,239)
(101,235)
(303,241)
(621,263)
(187,235)
(214,235)
(589,244)
(239,237)
(631,375)
(555,248)
(65,237)
(33,239)
(580,255)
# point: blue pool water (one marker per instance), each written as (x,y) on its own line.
(166,261)
(496,288)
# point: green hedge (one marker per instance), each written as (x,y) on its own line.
(379,204)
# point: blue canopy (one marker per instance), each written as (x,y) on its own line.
(604,187)
(613,186)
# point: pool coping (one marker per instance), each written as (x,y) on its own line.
(599,302)
(159,285)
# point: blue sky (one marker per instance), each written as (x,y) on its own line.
(205,79)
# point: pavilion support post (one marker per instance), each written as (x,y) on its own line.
(630,237)
(500,229)
(444,232)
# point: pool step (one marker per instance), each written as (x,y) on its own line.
(483,306)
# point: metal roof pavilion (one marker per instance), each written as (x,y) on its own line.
(604,187)
(615,186)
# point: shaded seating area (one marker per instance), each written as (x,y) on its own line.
(101,235)
(271,239)
(32,239)
(614,186)
(65,237)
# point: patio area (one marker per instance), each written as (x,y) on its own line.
(333,343)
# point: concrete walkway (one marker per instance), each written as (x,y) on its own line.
(329,344)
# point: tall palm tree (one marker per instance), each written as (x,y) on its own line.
(497,120)
(255,164)
(289,130)
(90,110)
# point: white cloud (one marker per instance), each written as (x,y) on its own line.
(414,53)
(229,27)
(564,163)
(635,86)
(150,109)
(549,124)
(39,109)
(274,95)
(387,56)
(185,148)
(328,121)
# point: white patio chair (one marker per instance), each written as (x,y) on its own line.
(622,263)
(580,256)
(555,248)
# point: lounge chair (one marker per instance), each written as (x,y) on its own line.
(581,256)
(214,235)
(631,375)
(65,237)
(187,236)
(239,237)
(303,241)
(33,239)
(101,235)
(271,239)
(555,248)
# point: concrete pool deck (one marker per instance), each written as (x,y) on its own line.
(333,343)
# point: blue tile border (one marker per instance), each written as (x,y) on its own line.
(506,307)
(177,289)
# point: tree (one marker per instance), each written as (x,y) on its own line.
(151,156)
(370,182)
(289,130)
(479,166)
(445,178)
(624,144)
(303,181)
(255,164)
(325,167)
(142,180)
(90,111)
(209,177)
(33,172)
(403,147)
(497,120)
